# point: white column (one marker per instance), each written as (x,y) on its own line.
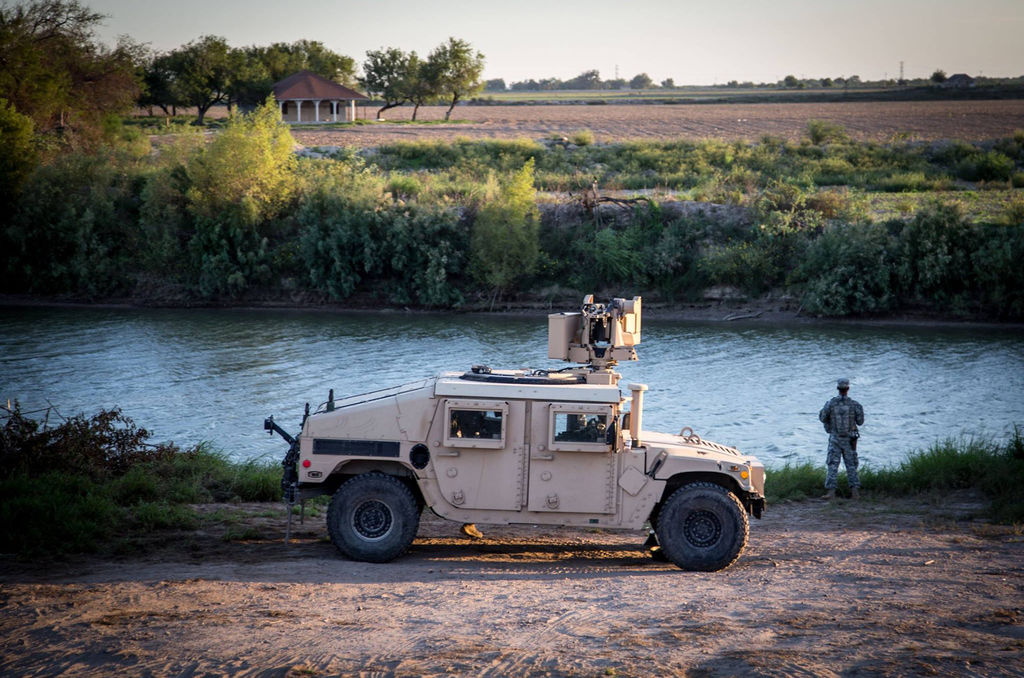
(334,111)
(352,106)
(298,111)
(316,109)
(280,108)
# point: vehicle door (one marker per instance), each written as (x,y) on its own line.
(480,453)
(572,458)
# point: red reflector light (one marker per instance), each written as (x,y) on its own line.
(305,463)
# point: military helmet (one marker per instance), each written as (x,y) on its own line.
(843,383)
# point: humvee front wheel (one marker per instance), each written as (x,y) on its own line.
(373,517)
(702,526)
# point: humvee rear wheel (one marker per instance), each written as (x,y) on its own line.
(702,526)
(373,517)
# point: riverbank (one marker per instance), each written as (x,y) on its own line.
(892,587)
(770,310)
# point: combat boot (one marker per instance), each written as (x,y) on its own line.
(855,493)
(471,531)
(830,495)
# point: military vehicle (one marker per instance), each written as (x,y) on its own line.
(536,447)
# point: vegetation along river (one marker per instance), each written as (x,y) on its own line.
(213,375)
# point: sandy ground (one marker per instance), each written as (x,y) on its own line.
(877,121)
(823,590)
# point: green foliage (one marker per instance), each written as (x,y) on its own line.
(935,249)
(237,184)
(18,156)
(456,70)
(81,484)
(202,71)
(820,131)
(401,253)
(55,72)
(504,245)
(584,137)
(848,270)
(386,74)
(72,229)
(988,166)
(993,468)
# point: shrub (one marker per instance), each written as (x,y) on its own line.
(847,271)
(583,137)
(988,166)
(820,131)
(403,253)
(504,244)
(934,253)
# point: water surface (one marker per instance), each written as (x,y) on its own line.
(213,375)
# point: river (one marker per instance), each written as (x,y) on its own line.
(213,375)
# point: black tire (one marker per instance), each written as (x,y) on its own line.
(373,517)
(703,527)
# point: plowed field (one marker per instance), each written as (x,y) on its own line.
(877,121)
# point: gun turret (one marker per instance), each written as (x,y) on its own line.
(599,335)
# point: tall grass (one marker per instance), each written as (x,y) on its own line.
(994,469)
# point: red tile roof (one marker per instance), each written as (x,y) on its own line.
(309,85)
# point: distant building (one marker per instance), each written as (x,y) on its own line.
(308,97)
(959,81)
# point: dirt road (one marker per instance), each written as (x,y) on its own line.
(823,590)
(875,121)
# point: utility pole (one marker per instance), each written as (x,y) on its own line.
(901,71)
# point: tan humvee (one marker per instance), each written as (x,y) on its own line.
(538,447)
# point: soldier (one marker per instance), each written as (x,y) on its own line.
(841,417)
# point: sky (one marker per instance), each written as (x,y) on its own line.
(694,43)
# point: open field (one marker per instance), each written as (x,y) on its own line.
(876,121)
(888,587)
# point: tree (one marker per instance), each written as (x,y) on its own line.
(790,81)
(202,73)
(53,71)
(457,70)
(495,85)
(421,82)
(641,81)
(17,152)
(158,84)
(386,74)
(826,82)
(939,76)
(585,80)
(504,242)
(668,83)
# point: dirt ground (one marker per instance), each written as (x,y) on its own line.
(822,589)
(876,121)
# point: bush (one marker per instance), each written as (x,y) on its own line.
(504,244)
(847,271)
(584,137)
(988,166)
(402,253)
(934,255)
(820,131)
(72,231)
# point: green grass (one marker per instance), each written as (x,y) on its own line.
(993,469)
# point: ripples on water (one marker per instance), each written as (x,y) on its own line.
(192,375)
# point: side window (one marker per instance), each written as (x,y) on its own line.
(580,427)
(583,428)
(475,424)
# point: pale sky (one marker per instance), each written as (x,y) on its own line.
(695,43)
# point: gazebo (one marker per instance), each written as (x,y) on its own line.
(301,98)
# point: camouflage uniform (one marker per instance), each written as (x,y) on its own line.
(841,416)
